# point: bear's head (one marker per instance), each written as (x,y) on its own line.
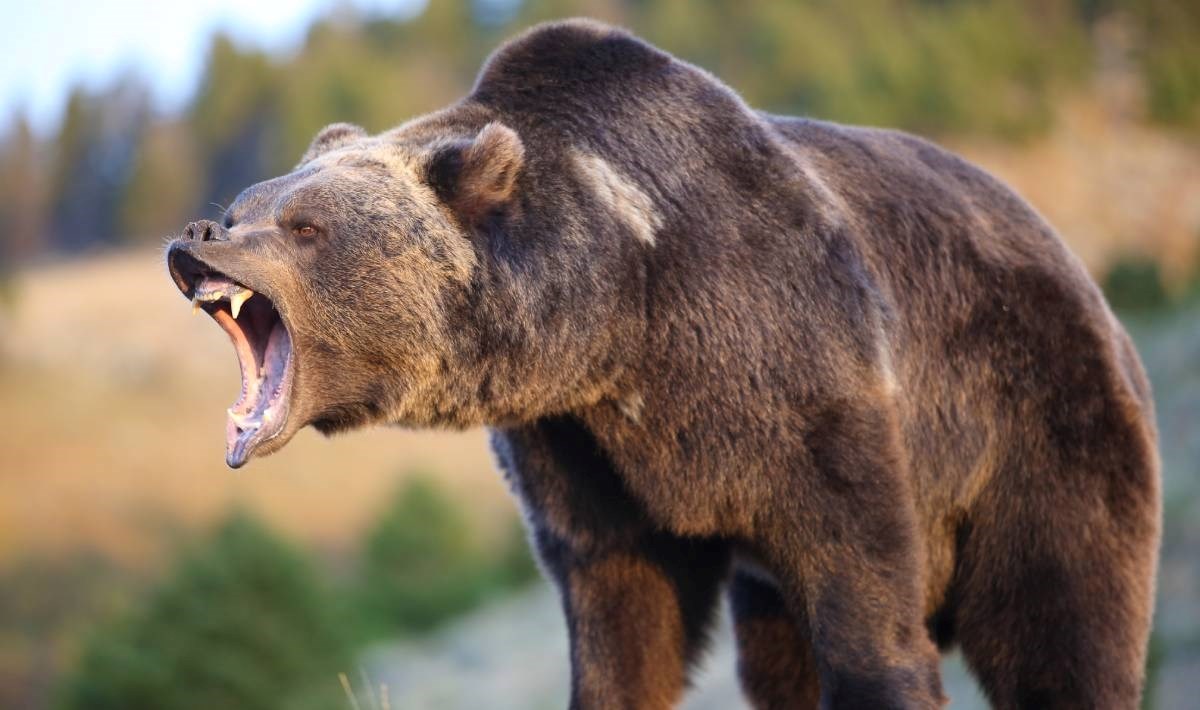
(343,284)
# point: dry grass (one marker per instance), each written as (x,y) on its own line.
(381,700)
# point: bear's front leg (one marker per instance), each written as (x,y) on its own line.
(636,617)
(638,601)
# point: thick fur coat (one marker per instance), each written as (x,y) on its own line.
(838,373)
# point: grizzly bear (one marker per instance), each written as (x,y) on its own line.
(838,373)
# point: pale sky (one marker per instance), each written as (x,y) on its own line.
(50,44)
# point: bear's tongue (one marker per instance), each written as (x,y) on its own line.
(259,413)
(264,350)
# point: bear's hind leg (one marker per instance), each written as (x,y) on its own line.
(1056,595)
(775,660)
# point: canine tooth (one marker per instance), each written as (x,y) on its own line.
(237,299)
(195,306)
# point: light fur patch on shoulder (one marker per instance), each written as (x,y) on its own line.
(631,406)
(887,373)
(620,194)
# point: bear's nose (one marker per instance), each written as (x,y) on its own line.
(206,230)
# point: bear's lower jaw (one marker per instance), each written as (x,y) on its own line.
(264,350)
(261,412)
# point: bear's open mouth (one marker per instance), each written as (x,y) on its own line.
(263,345)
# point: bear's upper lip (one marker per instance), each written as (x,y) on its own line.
(263,344)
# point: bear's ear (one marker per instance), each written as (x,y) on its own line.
(331,137)
(476,177)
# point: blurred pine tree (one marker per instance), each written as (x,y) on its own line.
(93,156)
(422,564)
(22,194)
(241,623)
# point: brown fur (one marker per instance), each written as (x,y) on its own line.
(775,659)
(626,631)
(839,366)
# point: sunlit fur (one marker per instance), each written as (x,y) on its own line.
(839,368)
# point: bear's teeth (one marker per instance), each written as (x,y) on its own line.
(241,420)
(237,299)
(195,306)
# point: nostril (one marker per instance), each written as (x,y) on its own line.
(205,230)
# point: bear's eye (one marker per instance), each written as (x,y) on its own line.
(304,230)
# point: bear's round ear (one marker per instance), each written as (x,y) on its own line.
(476,177)
(333,136)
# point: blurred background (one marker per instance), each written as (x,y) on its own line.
(136,571)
